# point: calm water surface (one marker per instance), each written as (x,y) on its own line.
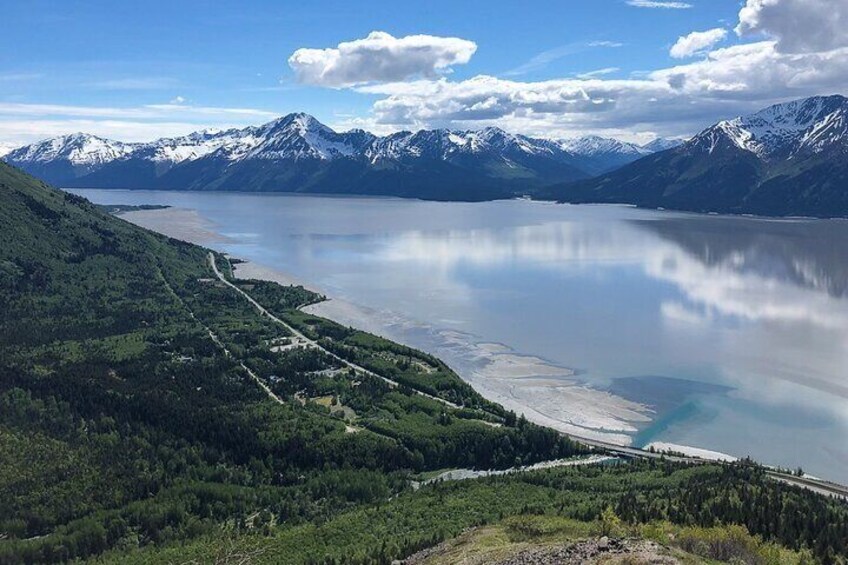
(732,331)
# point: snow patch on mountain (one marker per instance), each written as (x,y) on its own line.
(446,144)
(301,136)
(662,144)
(784,130)
(78,148)
(593,145)
(199,144)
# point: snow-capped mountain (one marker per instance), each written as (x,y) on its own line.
(808,126)
(595,145)
(199,144)
(602,154)
(79,149)
(787,159)
(297,152)
(446,144)
(300,136)
(662,144)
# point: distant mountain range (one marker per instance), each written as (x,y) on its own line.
(788,159)
(297,153)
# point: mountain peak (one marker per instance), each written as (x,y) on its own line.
(302,136)
(78,148)
(595,145)
(300,121)
(662,144)
(814,124)
(787,159)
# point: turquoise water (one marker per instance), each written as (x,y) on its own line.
(732,331)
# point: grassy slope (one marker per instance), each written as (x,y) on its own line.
(522,536)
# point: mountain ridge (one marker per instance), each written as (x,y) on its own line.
(298,153)
(785,160)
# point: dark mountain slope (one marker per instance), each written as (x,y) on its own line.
(789,159)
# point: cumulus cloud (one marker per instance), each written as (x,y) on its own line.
(760,73)
(658,4)
(799,26)
(552,103)
(697,42)
(673,101)
(7,147)
(380,57)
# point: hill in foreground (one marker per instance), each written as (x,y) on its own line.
(150,412)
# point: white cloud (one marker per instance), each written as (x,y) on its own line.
(22,132)
(598,72)
(25,123)
(136,83)
(380,57)
(673,101)
(544,106)
(605,43)
(15,77)
(799,26)
(697,42)
(759,73)
(545,58)
(6,147)
(658,4)
(149,111)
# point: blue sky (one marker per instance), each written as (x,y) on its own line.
(136,71)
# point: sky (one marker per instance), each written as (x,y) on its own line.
(631,69)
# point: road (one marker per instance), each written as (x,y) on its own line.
(311,342)
(816,485)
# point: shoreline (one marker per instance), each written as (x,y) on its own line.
(545,393)
(548,395)
(661,209)
(512,365)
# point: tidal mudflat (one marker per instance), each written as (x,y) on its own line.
(721,333)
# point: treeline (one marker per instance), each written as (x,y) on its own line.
(414,520)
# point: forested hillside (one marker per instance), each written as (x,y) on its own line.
(148,411)
(124,423)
